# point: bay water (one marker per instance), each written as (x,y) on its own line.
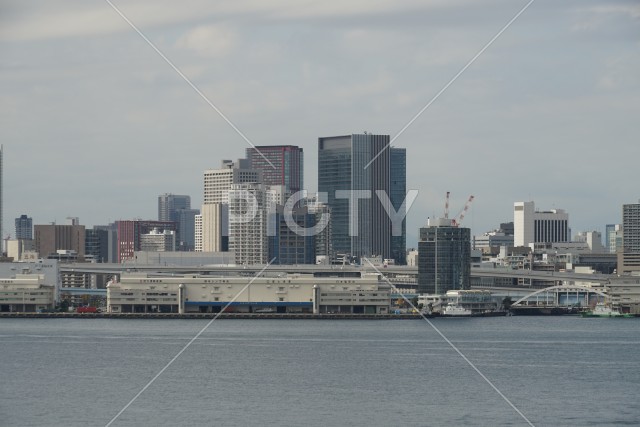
(557,371)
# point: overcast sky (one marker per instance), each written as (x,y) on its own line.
(95,124)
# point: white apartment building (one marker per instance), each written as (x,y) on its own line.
(532,226)
(214,220)
(248,215)
(217,182)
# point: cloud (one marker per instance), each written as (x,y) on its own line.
(209,41)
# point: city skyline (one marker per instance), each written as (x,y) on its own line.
(547,113)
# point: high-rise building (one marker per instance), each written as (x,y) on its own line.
(177,208)
(24,228)
(280,165)
(629,256)
(170,204)
(214,212)
(398,192)
(351,169)
(217,182)
(532,226)
(444,257)
(248,223)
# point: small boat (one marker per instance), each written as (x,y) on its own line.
(456,310)
(603,310)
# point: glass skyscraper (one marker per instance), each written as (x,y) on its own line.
(351,168)
(398,192)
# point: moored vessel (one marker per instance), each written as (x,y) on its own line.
(603,310)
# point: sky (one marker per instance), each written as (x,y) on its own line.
(95,124)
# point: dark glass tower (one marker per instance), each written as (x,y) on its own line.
(398,193)
(24,228)
(348,164)
(444,257)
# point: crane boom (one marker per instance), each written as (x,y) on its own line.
(458,220)
(446,205)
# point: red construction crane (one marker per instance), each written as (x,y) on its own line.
(446,205)
(458,220)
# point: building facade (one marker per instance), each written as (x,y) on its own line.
(24,228)
(398,192)
(131,231)
(248,223)
(532,226)
(140,293)
(629,256)
(50,238)
(280,165)
(169,205)
(444,257)
(214,213)
(285,245)
(351,169)
(158,241)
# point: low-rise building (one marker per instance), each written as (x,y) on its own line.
(624,292)
(301,293)
(26,293)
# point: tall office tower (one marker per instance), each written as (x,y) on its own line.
(286,168)
(351,169)
(50,238)
(444,257)
(217,184)
(629,256)
(398,192)
(170,204)
(248,223)
(24,228)
(130,232)
(532,226)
